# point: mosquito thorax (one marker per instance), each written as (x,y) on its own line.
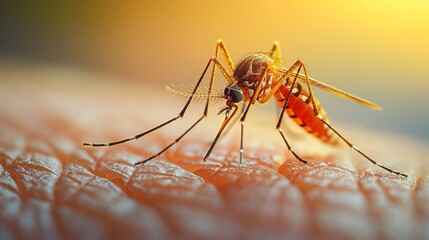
(233,93)
(249,71)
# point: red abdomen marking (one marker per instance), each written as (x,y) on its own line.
(302,113)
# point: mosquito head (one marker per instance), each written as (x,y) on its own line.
(233,93)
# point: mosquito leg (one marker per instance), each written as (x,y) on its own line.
(171,144)
(181,114)
(219,133)
(132,138)
(243,117)
(228,119)
(220,46)
(361,153)
(229,127)
(310,91)
(290,148)
(320,116)
(282,81)
(276,54)
(216,63)
(279,123)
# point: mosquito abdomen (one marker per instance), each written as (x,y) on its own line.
(301,112)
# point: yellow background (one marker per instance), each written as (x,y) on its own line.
(374,49)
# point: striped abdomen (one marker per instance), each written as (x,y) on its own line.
(300,110)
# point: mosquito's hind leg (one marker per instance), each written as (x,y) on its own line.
(360,152)
(321,117)
(243,117)
(284,78)
(280,121)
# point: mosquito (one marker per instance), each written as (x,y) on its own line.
(258,77)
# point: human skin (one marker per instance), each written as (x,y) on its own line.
(52,187)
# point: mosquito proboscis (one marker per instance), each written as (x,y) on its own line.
(257,78)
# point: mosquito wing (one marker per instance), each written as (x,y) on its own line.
(338,92)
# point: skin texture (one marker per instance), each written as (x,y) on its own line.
(52,187)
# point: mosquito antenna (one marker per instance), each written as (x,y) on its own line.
(200,95)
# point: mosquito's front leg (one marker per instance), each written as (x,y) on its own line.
(243,117)
(181,114)
(225,123)
(220,46)
(212,60)
(225,74)
(228,129)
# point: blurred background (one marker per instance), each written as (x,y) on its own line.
(377,50)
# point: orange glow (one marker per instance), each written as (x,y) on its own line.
(377,50)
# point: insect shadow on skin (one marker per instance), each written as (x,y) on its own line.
(257,78)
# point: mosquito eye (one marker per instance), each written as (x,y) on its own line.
(226,91)
(236,95)
(233,93)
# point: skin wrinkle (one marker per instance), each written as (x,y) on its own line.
(8,168)
(13,187)
(55,197)
(128,183)
(98,171)
(101,171)
(421,183)
(310,210)
(128,191)
(7,186)
(79,190)
(89,212)
(374,216)
(171,221)
(314,210)
(225,167)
